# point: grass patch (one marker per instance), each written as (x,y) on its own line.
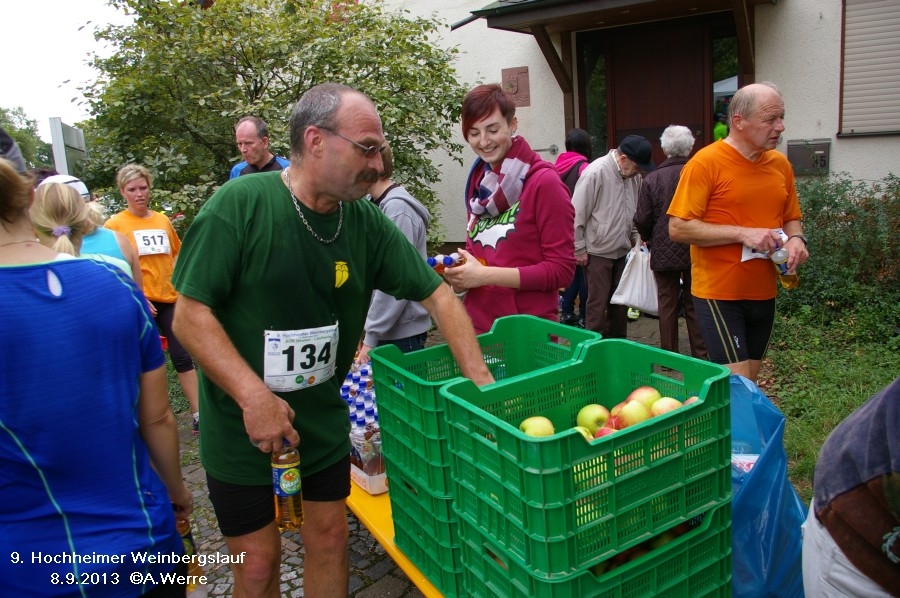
(817,378)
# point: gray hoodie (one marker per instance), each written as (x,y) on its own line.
(390,318)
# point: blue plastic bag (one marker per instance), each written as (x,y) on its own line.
(766,511)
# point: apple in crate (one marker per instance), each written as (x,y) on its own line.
(537,425)
(616,408)
(592,417)
(690,400)
(664,405)
(584,432)
(604,431)
(644,394)
(613,423)
(632,413)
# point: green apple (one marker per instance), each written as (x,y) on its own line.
(644,394)
(634,412)
(663,539)
(592,417)
(664,405)
(537,425)
(600,568)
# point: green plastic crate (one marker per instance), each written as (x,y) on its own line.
(694,565)
(434,517)
(426,529)
(411,410)
(559,504)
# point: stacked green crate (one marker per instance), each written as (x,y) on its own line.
(415,433)
(554,508)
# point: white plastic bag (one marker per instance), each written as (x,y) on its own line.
(637,288)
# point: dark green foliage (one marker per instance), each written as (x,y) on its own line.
(24,131)
(181,77)
(851,279)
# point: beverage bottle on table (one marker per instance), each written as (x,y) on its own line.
(286,486)
(358,446)
(779,258)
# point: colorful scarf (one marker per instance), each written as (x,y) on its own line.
(491,193)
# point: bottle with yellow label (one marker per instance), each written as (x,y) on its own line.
(286,487)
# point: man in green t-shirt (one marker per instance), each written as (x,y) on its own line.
(274,278)
(720,130)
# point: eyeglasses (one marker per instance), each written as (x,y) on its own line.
(368,150)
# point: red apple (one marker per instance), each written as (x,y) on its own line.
(690,400)
(604,431)
(664,405)
(644,394)
(592,417)
(614,423)
(633,413)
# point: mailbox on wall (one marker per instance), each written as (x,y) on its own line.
(809,156)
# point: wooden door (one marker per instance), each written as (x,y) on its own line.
(659,75)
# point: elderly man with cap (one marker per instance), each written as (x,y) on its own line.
(605,199)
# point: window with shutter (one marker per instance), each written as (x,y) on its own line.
(870,86)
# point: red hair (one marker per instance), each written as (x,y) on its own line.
(481,101)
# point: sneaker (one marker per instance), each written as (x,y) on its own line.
(581,323)
(633,314)
(568,319)
(196,426)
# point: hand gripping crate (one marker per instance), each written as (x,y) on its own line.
(695,564)
(411,410)
(558,505)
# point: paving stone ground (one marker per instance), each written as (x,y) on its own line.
(373,573)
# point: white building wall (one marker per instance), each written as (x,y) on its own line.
(798,47)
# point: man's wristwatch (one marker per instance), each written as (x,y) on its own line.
(801,237)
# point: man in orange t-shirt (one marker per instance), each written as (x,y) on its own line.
(734,195)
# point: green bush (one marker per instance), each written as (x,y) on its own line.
(851,279)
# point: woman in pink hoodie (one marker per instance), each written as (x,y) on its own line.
(570,164)
(520,234)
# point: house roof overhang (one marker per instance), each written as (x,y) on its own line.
(558,16)
(545,18)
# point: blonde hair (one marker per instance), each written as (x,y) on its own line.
(130,172)
(60,214)
(97,213)
(15,192)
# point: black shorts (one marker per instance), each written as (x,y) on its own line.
(735,331)
(242,509)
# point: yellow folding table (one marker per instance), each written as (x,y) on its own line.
(375,513)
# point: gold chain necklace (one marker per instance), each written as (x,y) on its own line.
(287,179)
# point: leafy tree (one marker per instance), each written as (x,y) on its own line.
(183,75)
(24,130)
